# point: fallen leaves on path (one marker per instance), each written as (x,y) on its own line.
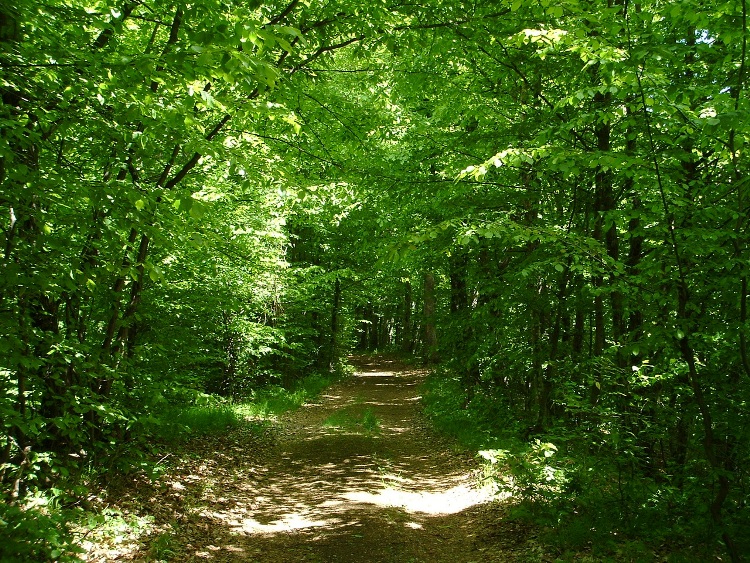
(358,476)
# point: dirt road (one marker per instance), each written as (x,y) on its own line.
(357,477)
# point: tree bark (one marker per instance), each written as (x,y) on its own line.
(603,204)
(335,328)
(429,311)
(407,342)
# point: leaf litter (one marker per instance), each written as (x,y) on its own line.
(377,484)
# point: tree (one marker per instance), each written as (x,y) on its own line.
(551,198)
(117,117)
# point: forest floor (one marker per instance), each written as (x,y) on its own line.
(357,476)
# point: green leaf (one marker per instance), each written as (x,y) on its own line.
(197,209)
(155,273)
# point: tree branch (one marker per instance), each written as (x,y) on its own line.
(285,12)
(106,34)
(326,49)
(452,23)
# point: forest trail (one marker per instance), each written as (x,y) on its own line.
(333,487)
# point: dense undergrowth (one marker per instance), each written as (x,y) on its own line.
(51,523)
(591,501)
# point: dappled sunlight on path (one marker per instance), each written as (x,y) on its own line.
(357,476)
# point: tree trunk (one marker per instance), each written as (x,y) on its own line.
(430,330)
(603,203)
(407,343)
(335,308)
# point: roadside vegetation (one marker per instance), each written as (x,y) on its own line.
(204,203)
(52,524)
(589,503)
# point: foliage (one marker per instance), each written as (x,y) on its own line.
(144,245)
(197,421)
(209,198)
(210,414)
(37,533)
(274,400)
(586,499)
(475,426)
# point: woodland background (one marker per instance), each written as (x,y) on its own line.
(548,201)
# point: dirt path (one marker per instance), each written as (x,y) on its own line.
(357,477)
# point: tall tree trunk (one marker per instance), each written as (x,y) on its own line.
(463,339)
(429,311)
(407,343)
(535,376)
(603,203)
(741,240)
(550,371)
(635,237)
(335,328)
(362,336)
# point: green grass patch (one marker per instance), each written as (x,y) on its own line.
(354,419)
(193,421)
(370,422)
(275,400)
(215,415)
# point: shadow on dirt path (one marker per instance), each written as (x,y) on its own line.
(356,477)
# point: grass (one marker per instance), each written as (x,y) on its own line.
(216,416)
(198,421)
(354,420)
(273,401)
(370,422)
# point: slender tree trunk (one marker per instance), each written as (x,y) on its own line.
(430,330)
(603,204)
(463,339)
(373,330)
(407,344)
(550,371)
(741,240)
(579,329)
(335,311)
(535,375)
(229,375)
(362,336)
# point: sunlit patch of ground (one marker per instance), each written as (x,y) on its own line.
(456,499)
(330,492)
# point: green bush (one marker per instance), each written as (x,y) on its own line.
(584,485)
(36,534)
